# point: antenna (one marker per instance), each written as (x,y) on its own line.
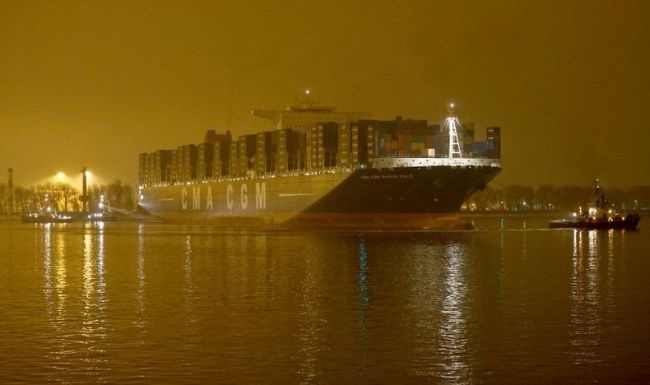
(452,125)
(305,98)
(597,195)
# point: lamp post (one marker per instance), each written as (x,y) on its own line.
(84,189)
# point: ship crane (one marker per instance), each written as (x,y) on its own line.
(451,126)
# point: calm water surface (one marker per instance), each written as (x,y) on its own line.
(151,303)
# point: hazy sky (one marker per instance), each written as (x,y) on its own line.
(96,82)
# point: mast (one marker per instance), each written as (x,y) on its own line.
(599,198)
(452,125)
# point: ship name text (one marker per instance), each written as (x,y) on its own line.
(235,197)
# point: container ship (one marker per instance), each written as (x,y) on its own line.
(320,167)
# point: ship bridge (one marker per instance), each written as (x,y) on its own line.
(305,113)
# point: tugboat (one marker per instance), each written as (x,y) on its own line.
(599,215)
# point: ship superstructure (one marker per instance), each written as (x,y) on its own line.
(321,167)
(305,113)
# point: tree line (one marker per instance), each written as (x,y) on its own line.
(554,198)
(62,197)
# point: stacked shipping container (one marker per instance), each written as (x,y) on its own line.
(325,145)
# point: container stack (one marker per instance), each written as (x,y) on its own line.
(187,159)
(216,155)
(247,150)
(468,139)
(285,137)
(173,167)
(220,159)
(180,162)
(311,148)
(493,136)
(233,161)
(387,144)
(292,150)
(326,144)
(300,156)
(265,153)
(343,146)
(354,145)
(161,159)
(370,142)
(205,160)
(436,140)
(143,172)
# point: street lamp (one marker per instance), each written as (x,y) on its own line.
(84,188)
(60,176)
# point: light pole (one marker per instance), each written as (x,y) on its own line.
(84,189)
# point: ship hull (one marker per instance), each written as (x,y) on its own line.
(407,197)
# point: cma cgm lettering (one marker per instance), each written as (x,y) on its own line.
(323,168)
(193,198)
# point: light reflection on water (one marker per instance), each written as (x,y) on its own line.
(164,304)
(593,294)
(309,331)
(47,267)
(452,327)
(585,297)
(363,302)
(141,321)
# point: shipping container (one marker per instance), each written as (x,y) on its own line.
(291,149)
(221,159)
(247,149)
(266,152)
(205,161)
(309,151)
(327,144)
(233,162)
(142,173)
(188,163)
(300,144)
(161,160)
(324,145)
(468,140)
(371,144)
(493,136)
(343,158)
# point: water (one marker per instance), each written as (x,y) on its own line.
(150,303)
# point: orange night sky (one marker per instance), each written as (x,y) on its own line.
(96,82)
